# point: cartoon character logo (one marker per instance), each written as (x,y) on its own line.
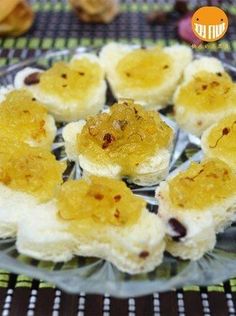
(209,23)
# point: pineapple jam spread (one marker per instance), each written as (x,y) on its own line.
(144,68)
(31,170)
(202,185)
(126,136)
(208,92)
(22,118)
(71,81)
(222,139)
(98,200)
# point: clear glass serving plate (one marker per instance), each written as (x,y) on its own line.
(92,275)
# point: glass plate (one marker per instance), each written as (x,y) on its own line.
(93,275)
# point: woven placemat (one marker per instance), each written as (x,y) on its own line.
(56,27)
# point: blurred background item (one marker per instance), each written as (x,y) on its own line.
(16,17)
(185,31)
(179,14)
(96,11)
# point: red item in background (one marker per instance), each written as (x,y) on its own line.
(185,31)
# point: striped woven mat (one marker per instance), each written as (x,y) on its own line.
(57,27)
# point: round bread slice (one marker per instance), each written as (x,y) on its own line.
(28,176)
(62,228)
(150,171)
(148,76)
(195,205)
(71,91)
(206,94)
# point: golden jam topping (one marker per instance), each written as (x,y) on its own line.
(202,185)
(144,68)
(222,139)
(71,81)
(23,119)
(31,170)
(127,135)
(208,92)
(100,201)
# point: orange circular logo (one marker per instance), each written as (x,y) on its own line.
(209,23)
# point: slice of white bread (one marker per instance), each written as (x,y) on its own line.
(28,176)
(155,97)
(195,121)
(58,107)
(219,140)
(200,236)
(192,232)
(150,172)
(134,248)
